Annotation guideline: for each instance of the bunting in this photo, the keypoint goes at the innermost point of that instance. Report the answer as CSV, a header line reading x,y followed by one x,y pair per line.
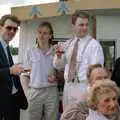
x,y
62,8
35,12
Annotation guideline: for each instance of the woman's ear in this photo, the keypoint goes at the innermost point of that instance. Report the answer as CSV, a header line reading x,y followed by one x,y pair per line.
x,y
50,36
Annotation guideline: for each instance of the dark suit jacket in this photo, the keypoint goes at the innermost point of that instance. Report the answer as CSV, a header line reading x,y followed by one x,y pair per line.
x,y
6,85
116,72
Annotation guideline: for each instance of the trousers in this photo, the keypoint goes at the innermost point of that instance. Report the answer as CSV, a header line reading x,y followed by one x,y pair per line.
x,y
43,103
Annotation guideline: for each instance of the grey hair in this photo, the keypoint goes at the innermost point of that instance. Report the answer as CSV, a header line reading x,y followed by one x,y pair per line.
x,y
101,87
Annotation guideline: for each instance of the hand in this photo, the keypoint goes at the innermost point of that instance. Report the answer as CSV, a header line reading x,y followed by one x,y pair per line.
x,y
27,70
16,70
58,51
52,78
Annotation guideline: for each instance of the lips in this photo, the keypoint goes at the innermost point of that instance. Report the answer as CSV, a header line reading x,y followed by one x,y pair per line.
x,y
111,110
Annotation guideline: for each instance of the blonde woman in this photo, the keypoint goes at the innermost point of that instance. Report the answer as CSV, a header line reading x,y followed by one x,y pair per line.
x,y
102,101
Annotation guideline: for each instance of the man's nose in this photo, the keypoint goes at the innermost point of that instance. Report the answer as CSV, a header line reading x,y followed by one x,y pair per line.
x,y
85,26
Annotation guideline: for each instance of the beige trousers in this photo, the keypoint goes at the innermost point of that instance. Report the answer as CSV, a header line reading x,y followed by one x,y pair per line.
x,y
43,103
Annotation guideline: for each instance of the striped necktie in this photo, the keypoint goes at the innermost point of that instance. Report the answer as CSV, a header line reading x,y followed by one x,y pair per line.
x,y
72,68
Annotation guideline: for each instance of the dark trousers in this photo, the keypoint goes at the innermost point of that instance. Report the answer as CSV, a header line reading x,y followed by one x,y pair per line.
x,y
11,110
11,115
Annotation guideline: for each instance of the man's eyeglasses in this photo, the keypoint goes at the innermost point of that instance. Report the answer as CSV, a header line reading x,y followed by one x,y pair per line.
x,y
9,28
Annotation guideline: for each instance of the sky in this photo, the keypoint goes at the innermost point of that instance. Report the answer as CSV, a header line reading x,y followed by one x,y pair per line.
x,y
5,6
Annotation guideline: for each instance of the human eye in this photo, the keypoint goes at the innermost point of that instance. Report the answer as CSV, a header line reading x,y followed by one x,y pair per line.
x,y
106,100
81,25
105,77
115,98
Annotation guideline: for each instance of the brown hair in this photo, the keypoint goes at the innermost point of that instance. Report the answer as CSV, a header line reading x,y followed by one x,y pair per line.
x,y
78,14
91,68
48,25
10,17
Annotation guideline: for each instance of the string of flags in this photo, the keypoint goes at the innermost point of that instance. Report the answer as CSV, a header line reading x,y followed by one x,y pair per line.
x,y
62,9
35,12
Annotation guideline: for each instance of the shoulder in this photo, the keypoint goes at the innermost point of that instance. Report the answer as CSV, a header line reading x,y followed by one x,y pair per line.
x,y
78,111
92,115
94,42
32,49
68,41
117,60
94,45
117,64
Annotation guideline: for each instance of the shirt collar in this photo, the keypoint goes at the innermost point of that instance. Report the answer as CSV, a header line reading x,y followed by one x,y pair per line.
x,y
85,37
50,50
4,44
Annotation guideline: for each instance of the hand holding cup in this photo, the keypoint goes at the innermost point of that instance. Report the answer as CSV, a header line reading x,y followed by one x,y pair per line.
x,y
59,49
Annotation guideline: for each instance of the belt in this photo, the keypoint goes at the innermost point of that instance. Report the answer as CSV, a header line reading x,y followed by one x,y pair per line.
x,y
76,81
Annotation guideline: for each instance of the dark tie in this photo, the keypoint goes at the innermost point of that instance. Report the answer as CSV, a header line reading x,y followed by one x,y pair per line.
x,y
9,56
72,68
10,61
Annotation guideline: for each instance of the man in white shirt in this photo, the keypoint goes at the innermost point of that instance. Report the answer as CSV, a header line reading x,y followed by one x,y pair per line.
x,y
89,51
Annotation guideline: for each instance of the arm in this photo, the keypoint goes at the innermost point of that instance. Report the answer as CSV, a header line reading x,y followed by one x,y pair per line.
x,y
96,55
77,111
116,72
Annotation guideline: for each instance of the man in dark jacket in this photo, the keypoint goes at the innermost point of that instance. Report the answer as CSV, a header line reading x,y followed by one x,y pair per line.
x,y
12,97
116,72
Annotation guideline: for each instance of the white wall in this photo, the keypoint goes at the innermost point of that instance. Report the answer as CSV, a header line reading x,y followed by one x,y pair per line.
x,y
108,27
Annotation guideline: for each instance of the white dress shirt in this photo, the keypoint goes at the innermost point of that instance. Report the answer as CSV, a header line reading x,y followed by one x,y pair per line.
x,y
93,54
41,66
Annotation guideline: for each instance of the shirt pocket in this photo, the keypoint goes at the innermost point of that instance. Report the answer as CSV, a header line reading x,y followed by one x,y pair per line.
x,y
82,61
35,58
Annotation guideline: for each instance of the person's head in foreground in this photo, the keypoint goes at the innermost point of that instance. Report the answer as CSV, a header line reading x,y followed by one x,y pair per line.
x,y
45,33
80,22
8,27
102,99
96,72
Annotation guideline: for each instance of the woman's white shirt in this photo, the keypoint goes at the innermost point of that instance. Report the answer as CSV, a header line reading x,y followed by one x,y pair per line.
x,y
41,66
95,115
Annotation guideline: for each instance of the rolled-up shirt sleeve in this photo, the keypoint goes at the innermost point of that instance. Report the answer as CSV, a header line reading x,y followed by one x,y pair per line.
x,y
97,55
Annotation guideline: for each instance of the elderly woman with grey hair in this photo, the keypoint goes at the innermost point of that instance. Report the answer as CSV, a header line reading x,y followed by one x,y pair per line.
x,y
102,101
